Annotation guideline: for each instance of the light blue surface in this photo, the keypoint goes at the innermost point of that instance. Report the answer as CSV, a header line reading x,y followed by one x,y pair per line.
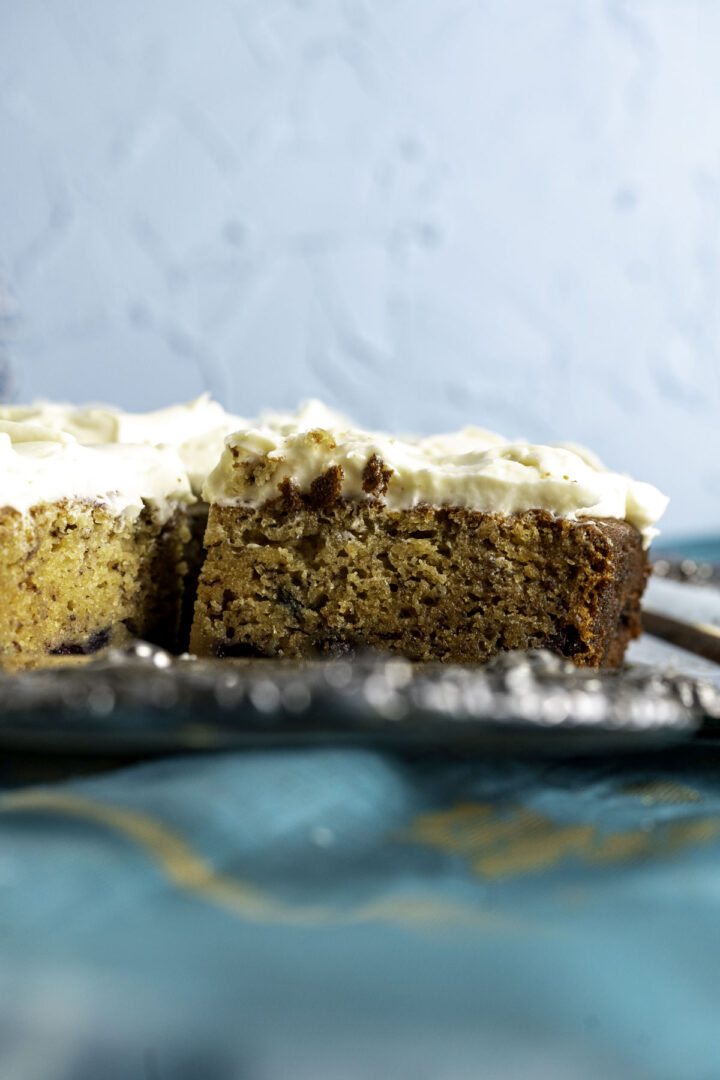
x,y
560,921
429,213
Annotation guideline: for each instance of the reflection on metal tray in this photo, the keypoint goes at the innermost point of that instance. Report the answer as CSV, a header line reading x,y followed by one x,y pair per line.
x,y
143,700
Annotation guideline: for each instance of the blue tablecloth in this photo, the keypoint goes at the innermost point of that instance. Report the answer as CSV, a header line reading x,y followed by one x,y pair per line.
x,y
347,913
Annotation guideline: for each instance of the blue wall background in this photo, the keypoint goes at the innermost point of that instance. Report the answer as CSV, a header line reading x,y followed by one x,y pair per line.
x,y
428,212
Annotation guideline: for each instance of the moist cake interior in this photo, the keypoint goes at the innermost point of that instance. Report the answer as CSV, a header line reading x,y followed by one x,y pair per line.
x,y
295,579
82,577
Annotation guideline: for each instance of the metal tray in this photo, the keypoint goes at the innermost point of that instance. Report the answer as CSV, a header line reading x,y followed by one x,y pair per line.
x,y
143,700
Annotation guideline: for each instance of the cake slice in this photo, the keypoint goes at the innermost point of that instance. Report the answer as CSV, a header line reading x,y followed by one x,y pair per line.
x,y
451,548
91,544
195,429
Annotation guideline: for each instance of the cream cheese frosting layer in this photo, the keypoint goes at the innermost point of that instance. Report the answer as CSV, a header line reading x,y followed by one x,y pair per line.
x,y
88,424
196,429
39,465
472,468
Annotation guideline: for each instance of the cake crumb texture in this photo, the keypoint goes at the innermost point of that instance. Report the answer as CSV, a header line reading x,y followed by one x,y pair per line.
x,y
301,576
77,577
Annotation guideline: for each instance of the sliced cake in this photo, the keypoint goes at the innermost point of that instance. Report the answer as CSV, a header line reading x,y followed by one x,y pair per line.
x,y
92,544
449,548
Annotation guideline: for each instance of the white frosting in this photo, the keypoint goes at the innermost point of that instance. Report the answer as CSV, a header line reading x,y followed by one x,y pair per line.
x,y
197,429
310,414
470,468
88,424
39,465
456,443
473,468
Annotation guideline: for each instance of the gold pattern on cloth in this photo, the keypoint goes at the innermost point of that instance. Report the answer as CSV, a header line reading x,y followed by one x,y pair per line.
x,y
507,843
663,793
192,873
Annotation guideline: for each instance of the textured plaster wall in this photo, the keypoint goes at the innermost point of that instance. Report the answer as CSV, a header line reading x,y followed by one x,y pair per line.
x,y
428,212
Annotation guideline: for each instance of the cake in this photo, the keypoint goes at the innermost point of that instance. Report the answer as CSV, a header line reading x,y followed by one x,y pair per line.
x,y
315,538
195,429
326,540
92,542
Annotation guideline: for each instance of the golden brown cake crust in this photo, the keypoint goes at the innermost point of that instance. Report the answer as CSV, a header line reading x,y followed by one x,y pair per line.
x,y
76,577
312,573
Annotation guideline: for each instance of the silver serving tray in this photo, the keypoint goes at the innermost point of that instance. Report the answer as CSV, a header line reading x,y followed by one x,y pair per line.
x,y
143,700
